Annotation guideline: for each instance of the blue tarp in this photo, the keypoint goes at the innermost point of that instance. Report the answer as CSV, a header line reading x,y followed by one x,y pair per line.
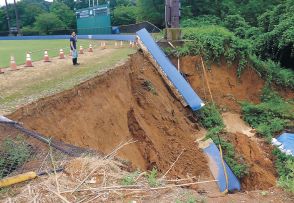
x,y
287,140
184,88
96,37
214,156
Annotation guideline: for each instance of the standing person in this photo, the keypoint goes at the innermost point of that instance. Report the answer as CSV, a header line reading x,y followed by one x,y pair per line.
x,y
73,48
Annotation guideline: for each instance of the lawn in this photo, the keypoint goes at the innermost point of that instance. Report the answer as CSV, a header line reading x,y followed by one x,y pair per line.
x,y
27,85
18,49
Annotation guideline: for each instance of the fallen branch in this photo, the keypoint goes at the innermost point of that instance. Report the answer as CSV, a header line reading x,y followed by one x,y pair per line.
x,y
58,195
138,187
54,168
106,157
172,164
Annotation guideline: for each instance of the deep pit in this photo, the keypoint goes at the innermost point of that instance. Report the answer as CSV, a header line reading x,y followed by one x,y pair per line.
x,y
133,102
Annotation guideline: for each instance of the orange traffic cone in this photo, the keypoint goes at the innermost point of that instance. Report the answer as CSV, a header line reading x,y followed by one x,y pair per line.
x,y
46,57
28,60
81,50
61,54
90,48
13,65
1,71
103,44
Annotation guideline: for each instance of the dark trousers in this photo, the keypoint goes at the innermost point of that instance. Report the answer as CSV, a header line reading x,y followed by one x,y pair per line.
x,y
75,61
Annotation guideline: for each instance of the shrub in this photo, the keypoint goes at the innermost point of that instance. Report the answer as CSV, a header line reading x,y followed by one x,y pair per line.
x,y
130,179
152,178
29,31
214,42
285,167
273,72
200,21
271,116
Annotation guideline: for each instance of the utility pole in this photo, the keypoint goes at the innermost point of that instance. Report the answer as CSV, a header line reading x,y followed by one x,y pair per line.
x,y
172,13
17,18
172,20
7,17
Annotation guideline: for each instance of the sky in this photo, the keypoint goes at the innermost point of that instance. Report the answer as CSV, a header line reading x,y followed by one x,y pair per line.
x,y
2,2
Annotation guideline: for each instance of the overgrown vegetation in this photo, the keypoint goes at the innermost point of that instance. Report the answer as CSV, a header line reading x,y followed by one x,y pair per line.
x,y
13,154
273,72
270,116
214,43
285,168
211,119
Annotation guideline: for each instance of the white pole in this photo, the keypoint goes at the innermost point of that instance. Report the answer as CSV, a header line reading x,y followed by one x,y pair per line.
x,y
93,3
89,3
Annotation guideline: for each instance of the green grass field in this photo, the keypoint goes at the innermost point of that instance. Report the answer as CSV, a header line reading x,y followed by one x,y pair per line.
x,y
18,49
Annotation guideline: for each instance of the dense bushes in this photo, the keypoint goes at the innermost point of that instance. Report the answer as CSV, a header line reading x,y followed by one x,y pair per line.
x,y
211,119
271,116
273,72
285,168
214,42
124,15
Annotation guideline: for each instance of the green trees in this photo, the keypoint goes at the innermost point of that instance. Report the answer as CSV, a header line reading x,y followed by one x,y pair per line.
x,y
64,13
151,10
124,15
277,40
47,22
60,16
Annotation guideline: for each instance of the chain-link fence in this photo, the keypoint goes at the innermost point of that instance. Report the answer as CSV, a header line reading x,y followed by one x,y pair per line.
x,y
22,151
131,28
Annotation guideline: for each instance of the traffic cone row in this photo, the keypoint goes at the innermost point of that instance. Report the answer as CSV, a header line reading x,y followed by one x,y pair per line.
x,y
46,58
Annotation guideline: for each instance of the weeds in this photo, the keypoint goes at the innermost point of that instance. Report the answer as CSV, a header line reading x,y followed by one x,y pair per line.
x,y
147,84
152,178
189,197
130,179
215,42
271,116
273,72
211,119
285,167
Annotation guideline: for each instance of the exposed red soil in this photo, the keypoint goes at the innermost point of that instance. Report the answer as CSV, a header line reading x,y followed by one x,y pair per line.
x,y
257,155
117,106
114,107
227,89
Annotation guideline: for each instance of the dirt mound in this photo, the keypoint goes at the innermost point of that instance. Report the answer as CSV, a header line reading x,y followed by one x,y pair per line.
x,y
262,174
129,102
